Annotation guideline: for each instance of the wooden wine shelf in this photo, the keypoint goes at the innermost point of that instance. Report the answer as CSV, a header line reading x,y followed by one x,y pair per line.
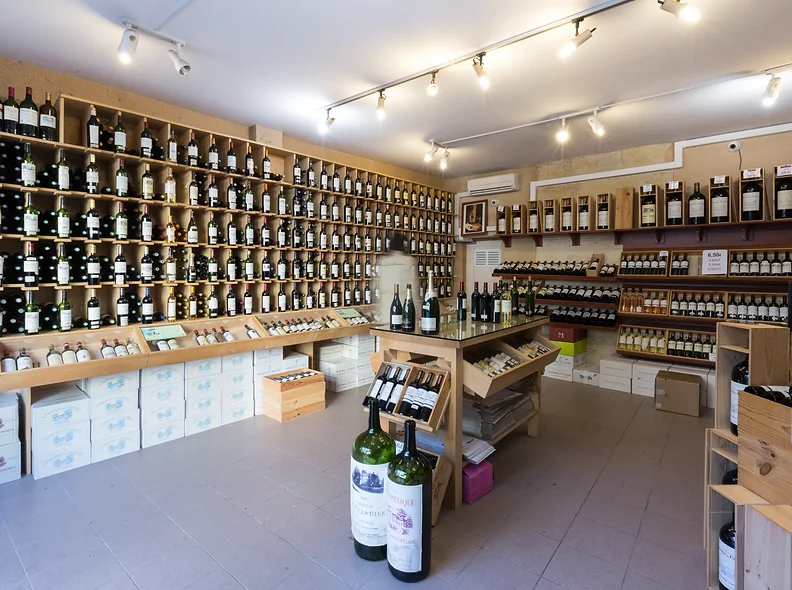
x,y
665,357
576,303
544,277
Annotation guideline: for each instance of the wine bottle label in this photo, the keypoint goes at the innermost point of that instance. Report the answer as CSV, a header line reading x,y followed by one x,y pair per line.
x,y
396,319
734,391
720,206
549,222
429,324
119,137
726,565
92,223
65,319
9,365
92,177
145,146
30,266
696,208
63,273
94,268
750,201
192,235
368,503
281,301
31,322
566,219
648,216
63,178
122,309
120,267
404,526
28,117
47,121
171,309
194,308
121,228
533,222
784,200
764,267
232,161
675,210
30,223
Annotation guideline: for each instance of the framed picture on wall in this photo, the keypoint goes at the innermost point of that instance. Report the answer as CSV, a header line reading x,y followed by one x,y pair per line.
x,y
474,216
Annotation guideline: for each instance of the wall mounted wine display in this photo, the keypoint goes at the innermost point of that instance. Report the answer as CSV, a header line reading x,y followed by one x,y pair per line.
x,y
782,192
752,195
650,206
675,203
550,221
695,347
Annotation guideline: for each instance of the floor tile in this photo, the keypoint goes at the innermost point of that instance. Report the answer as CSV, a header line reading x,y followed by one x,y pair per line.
x,y
281,468
12,570
6,543
339,506
281,511
679,536
49,496
321,488
342,561
660,564
316,533
633,581
631,492
574,569
217,580
600,540
176,570
89,570
524,547
385,581
545,584
450,554
614,514
265,565
487,570
311,576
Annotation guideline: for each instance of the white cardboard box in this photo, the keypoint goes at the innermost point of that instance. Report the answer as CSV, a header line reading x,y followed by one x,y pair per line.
x,y
585,375
70,406
108,404
294,361
237,362
155,434
329,352
648,370
336,369
9,418
365,340
155,395
115,446
151,416
68,436
59,461
268,355
234,379
553,371
616,368
202,422
341,384
163,374
570,362
203,368
207,403
267,368
618,383
237,395
643,387
202,386
364,378
236,412
356,352
10,462
115,424
129,381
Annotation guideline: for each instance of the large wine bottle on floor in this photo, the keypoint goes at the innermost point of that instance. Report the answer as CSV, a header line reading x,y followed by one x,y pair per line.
x,y
371,453
409,501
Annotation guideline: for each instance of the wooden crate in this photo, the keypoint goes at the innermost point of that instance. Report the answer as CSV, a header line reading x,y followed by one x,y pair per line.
x,y
568,216
780,173
675,187
535,212
747,176
550,220
655,192
722,182
590,214
623,206
519,222
503,224
292,399
594,272
767,559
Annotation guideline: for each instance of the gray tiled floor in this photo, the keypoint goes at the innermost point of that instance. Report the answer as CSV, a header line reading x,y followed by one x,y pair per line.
x,y
609,497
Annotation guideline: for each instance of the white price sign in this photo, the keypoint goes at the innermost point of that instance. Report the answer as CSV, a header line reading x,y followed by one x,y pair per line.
x,y
715,262
752,173
785,170
719,180
647,188
673,185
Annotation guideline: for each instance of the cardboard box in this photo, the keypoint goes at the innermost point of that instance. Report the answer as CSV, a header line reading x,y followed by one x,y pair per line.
x,y
570,362
364,378
207,403
115,446
566,333
553,371
203,368
355,352
202,386
364,340
155,395
115,424
233,396
571,348
698,371
268,355
161,375
70,406
59,461
294,361
9,418
10,462
648,370
616,383
151,416
238,378
237,362
338,368
109,404
477,481
329,352
129,381
616,368
263,369
644,388
154,434
585,375
237,412
202,423
679,393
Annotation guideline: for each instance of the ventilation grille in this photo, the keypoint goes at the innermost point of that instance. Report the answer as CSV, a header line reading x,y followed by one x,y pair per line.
x,y
486,257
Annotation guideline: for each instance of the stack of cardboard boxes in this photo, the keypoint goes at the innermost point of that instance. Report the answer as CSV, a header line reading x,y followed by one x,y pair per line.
x,y
346,363
61,423
573,344
202,395
115,417
265,362
10,447
237,397
161,404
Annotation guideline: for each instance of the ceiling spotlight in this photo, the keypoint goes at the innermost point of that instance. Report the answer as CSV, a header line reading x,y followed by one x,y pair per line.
x,y
428,156
182,67
324,124
577,40
563,135
444,161
381,106
772,91
478,66
432,89
128,45
680,10
596,125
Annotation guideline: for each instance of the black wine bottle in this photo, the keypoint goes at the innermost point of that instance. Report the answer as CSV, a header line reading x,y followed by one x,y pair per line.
x,y
739,381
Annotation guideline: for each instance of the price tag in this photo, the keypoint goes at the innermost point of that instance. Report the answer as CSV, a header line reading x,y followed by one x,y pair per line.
x,y
647,188
673,185
752,173
785,170
715,262
163,332
663,254
713,356
348,313
719,180
516,207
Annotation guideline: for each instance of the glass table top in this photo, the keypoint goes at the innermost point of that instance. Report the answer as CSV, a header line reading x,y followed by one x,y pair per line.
x,y
453,329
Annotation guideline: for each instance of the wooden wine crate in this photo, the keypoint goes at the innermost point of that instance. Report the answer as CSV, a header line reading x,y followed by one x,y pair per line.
x,y
549,216
587,201
518,212
506,212
780,172
594,272
651,190
767,559
479,383
292,399
723,182
622,204
567,208
753,175
534,212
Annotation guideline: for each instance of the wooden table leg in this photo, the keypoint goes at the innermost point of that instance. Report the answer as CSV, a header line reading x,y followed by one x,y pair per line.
x,y
453,430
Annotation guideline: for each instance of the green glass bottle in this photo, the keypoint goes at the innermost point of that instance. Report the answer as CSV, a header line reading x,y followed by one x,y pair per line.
x,y
63,172
409,503
32,315
28,167
30,219
408,320
10,113
122,180
28,115
64,314
64,223
371,453
120,136
63,270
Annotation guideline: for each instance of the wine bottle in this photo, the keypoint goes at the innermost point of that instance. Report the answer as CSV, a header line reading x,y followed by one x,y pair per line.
x,y
62,272
120,137
28,115
739,381
30,266
64,314
147,308
122,310
171,306
461,303
93,129
697,206
396,310
32,315
430,310
10,113
474,303
727,543
30,219
48,120
409,506
408,311
371,453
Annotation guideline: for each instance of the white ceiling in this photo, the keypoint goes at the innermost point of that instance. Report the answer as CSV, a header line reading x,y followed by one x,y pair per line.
x,y
276,63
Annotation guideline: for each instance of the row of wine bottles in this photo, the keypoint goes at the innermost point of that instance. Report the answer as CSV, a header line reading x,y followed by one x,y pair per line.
x,y
576,293
402,315
560,267
501,306
605,318
419,398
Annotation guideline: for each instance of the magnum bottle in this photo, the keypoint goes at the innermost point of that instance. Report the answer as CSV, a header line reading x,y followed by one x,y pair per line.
x,y
396,311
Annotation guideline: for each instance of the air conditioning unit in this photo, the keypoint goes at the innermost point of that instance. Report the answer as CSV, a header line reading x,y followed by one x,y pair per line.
x,y
492,185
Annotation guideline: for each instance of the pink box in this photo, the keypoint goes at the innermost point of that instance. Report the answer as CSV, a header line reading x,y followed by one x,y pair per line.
x,y
477,481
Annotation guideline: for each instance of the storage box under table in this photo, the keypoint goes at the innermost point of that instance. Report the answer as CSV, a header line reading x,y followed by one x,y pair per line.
x,y
286,400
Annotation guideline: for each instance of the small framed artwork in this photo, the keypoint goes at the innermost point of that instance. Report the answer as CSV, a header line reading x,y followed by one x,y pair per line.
x,y
474,214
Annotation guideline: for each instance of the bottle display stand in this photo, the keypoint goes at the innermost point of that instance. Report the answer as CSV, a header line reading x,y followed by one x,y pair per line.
x,y
451,349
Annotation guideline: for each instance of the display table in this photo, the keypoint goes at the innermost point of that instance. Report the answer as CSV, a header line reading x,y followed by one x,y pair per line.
x,y
457,345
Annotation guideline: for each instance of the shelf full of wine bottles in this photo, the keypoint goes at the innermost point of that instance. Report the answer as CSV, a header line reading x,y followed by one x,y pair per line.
x,y
408,391
688,346
110,217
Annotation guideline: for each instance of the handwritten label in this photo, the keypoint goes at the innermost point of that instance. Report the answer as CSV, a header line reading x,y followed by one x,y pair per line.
x,y
715,262
719,180
752,173
673,185
647,188
785,170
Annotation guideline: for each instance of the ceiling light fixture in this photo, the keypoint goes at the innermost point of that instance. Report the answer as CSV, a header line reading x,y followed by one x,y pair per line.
x,y
596,125
429,156
478,67
563,135
680,10
128,45
772,92
324,124
182,67
444,161
381,106
432,89
577,40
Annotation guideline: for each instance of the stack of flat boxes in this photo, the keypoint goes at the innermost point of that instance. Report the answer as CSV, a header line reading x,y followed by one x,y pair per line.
x,y
203,395
115,414
161,404
10,447
237,387
61,425
616,374
265,362
572,342
643,376
345,362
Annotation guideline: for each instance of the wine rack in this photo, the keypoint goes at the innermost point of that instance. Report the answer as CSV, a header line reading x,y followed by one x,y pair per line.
x,y
656,343
270,198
